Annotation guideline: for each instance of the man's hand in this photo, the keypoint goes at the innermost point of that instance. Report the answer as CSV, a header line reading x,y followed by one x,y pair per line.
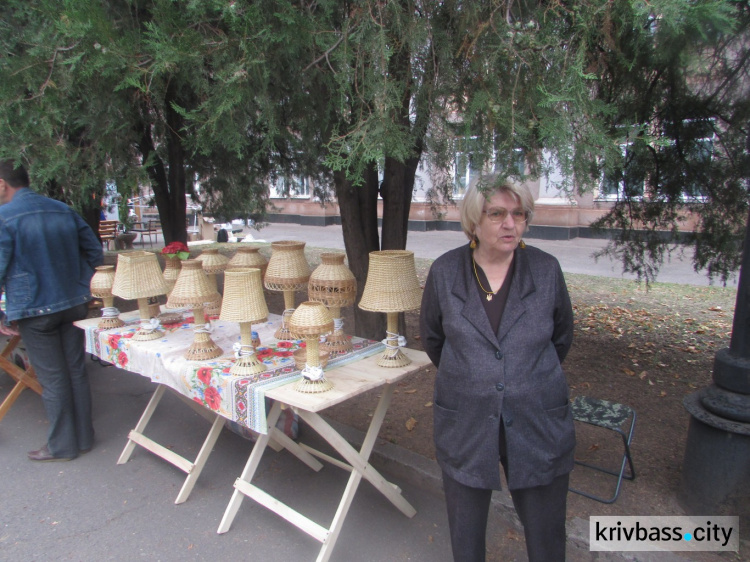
x,y
9,329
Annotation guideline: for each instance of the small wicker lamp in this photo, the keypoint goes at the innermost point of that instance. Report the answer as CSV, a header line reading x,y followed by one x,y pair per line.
x,y
392,287
213,264
288,272
244,303
101,288
193,289
335,286
138,276
249,256
308,322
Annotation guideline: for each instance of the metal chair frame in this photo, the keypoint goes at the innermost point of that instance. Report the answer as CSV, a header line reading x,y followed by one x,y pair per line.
x,y
611,416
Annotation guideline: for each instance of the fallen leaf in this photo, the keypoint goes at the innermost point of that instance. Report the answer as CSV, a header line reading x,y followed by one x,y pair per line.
x,y
663,393
628,372
643,375
593,447
428,404
410,424
650,382
412,391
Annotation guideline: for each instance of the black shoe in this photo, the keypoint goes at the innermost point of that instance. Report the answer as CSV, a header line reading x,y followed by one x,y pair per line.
x,y
43,455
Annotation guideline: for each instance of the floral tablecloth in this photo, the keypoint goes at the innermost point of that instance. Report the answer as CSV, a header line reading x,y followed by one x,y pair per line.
x,y
209,383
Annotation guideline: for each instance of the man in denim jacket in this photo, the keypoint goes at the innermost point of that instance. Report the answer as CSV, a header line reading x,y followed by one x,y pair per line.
x,y
47,258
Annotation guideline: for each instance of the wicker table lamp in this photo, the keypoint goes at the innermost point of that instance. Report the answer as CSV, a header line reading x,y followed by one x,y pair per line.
x,y
288,272
244,303
193,289
392,287
249,256
138,276
213,264
101,288
308,322
335,286
172,266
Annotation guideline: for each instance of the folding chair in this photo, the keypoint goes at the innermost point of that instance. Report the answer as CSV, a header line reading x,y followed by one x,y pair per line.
x,y
611,416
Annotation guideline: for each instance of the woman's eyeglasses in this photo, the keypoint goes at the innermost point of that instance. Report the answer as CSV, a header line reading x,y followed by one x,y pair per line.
x,y
498,214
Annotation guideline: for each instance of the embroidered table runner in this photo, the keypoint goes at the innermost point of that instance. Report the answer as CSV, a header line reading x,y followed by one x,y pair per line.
x,y
209,383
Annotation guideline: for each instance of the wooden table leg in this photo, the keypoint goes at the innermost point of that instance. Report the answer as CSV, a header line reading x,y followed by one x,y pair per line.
x,y
142,423
248,472
24,379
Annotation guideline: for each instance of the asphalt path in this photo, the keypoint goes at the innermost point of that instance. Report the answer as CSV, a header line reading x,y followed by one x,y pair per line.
x,y
575,256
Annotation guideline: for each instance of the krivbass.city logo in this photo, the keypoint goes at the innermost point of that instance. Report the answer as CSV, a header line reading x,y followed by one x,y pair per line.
x,y
657,533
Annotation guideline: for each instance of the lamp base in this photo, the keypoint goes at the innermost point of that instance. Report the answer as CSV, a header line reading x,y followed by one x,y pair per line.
x,y
111,322
147,335
248,365
170,317
203,350
311,387
283,333
213,309
391,358
337,343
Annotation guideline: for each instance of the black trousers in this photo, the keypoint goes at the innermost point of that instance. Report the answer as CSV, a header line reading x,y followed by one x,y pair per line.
x,y
56,351
541,509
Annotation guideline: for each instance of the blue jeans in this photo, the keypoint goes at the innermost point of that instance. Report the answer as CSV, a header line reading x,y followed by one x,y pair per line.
x,y
56,351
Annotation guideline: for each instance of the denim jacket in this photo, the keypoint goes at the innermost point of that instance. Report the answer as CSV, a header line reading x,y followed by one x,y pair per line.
x,y
47,256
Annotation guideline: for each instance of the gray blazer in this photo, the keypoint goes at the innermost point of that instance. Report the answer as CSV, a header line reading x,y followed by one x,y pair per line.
x,y
515,373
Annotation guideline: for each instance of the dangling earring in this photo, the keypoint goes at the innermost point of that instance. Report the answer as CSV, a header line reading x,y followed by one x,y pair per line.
x,y
473,243
522,244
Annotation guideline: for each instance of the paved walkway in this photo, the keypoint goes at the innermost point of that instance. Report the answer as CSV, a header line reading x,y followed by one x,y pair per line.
x,y
575,256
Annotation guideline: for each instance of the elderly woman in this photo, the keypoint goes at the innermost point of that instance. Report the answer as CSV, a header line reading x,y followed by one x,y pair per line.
x,y
497,322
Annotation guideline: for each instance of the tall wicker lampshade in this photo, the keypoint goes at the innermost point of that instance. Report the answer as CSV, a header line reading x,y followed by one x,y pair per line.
x,y
213,264
308,322
138,276
249,256
193,289
288,272
335,286
172,266
244,303
392,287
101,288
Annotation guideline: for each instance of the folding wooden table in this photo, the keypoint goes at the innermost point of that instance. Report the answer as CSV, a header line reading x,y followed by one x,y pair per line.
x,y
349,380
25,378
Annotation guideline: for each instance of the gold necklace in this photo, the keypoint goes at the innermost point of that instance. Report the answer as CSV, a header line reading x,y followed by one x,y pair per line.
x,y
488,294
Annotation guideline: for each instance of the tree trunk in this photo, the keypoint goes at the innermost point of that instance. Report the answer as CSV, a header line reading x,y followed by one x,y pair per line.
x,y
359,224
168,182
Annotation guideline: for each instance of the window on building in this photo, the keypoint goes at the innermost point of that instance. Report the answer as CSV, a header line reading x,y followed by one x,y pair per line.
x,y
467,167
293,186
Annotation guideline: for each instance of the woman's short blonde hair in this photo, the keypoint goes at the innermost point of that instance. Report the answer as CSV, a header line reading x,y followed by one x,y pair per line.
x,y
480,191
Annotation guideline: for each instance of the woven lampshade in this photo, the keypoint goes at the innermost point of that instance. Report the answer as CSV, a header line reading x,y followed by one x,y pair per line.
x,y
138,276
101,287
288,272
309,321
172,266
193,289
243,296
213,264
213,261
249,256
287,269
392,284
392,287
102,281
244,303
333,284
